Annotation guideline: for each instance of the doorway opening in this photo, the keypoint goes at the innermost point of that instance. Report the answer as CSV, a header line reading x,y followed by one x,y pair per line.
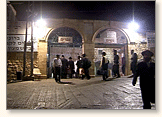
x,y
63,41
107,41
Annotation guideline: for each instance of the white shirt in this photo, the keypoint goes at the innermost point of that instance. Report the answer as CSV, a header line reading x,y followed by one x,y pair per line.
x,y
57,62
106,61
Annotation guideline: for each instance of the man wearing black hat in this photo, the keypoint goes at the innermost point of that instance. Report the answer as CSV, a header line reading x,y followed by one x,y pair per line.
x,y
71,67
86,66
116,65
57,67
146,71
64,66
104,66
133,63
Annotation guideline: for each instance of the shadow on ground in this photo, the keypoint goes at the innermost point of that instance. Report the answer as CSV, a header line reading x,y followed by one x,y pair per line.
x,y
68,83
95,82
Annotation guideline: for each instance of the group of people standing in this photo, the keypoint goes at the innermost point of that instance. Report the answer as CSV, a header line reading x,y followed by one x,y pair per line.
x,y
63,68
115,68
145,69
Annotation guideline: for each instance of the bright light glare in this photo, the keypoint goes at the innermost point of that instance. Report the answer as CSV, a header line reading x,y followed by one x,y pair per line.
x,y
41,23
133,26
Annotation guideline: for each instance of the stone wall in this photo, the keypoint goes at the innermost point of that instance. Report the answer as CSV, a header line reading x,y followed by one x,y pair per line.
x,y
42,58
138,48
15,63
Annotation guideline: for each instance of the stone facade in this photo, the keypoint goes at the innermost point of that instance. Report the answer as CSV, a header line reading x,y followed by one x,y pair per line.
x,y
15,64
88,29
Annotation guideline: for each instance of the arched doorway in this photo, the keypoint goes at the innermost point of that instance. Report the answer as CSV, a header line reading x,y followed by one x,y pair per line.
x,y
107,39
63,41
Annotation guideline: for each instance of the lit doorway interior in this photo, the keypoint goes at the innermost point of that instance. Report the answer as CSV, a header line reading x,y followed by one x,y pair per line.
x,y
63,41
106,41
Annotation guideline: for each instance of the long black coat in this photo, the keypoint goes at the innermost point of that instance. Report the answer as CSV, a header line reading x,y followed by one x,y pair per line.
x,y
116,59
85,62
79,65
71,66
147,80
64,65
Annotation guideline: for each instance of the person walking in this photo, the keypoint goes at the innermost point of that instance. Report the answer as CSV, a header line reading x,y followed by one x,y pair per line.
x,y
71,67
123,65
86,66
146,71
104,66
116,65
64,67
57,68
133,63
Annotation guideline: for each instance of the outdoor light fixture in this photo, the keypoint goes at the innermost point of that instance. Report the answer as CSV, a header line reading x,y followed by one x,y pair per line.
x,y
133,26
41,23
40,28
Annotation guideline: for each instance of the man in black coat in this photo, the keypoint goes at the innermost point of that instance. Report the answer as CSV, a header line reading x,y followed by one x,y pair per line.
x,y
86,66
104,66
71,67
146,71
64,66
133,63
116,65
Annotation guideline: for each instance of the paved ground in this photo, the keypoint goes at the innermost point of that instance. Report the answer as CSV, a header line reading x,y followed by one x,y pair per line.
x,y
116,93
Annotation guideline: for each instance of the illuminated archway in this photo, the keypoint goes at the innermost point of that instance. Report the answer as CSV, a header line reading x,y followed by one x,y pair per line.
x,y
108,45
63,41
110,27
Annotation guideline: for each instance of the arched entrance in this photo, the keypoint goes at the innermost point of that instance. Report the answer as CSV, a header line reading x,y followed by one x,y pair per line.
x,y
107,39
63,41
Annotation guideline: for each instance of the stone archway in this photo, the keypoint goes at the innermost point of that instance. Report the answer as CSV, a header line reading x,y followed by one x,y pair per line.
x,y
63,41
42,50
111,27
125,46
88,29
52,29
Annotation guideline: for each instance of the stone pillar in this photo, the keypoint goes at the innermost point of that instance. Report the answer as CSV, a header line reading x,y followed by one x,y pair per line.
x,y
88,46
88,49
127,62
42,58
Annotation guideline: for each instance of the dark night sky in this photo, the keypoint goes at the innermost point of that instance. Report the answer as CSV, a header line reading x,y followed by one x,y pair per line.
x,y
144,11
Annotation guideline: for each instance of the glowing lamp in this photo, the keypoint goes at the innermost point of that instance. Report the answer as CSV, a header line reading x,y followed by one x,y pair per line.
x,y
41,23
133,26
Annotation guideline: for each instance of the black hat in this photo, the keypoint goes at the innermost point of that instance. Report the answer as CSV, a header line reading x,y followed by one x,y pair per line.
x,y
70,58
147,52
83,55
57,55
104,53
115,50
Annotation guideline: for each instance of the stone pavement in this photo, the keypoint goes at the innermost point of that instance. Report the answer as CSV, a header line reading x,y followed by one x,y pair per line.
x,y
115,93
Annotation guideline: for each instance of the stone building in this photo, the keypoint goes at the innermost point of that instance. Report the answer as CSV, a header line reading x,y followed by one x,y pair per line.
x,y
72,37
